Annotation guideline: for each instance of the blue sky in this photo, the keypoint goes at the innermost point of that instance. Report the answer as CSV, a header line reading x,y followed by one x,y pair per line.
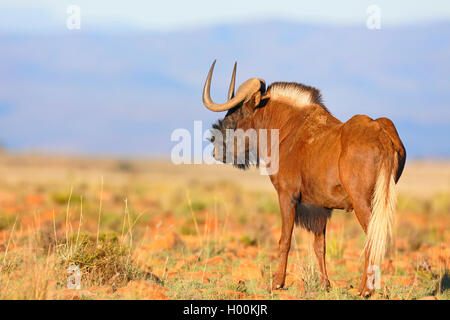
x,y
50,15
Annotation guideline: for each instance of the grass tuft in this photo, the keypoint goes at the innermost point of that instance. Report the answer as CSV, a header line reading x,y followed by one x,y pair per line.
x,y
107,262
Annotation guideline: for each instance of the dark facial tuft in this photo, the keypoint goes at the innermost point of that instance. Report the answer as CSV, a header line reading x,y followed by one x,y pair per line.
x,y
250,158
218,125
230,122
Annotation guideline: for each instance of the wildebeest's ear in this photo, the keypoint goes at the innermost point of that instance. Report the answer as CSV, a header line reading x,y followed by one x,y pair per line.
x,y
254,100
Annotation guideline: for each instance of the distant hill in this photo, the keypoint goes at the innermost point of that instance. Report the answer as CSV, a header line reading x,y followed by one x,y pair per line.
x,y
122,94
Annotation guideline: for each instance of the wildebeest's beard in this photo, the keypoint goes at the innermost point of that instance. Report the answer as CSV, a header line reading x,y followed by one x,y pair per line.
x,y
244,156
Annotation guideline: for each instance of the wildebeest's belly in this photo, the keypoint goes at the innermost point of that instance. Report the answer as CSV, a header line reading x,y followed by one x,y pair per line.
x,y
321,184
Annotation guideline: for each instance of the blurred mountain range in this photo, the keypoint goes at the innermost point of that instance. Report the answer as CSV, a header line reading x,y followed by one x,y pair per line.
x,y
94,92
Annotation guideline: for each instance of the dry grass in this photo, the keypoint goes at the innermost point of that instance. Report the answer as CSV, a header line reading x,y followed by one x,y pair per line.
x,y
152,230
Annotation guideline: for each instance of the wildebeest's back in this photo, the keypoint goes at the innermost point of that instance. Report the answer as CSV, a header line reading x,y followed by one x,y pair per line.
x,y
371,137
362,132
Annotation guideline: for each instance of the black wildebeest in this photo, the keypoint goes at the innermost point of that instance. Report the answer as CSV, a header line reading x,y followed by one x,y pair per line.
x,y
324,164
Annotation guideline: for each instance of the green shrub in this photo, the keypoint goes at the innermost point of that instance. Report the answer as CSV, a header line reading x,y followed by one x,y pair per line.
x,y
107,262
249,241
6,221
63,197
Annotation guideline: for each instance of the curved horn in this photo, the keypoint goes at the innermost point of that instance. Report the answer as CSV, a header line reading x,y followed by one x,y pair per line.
x,y
232,83
245,90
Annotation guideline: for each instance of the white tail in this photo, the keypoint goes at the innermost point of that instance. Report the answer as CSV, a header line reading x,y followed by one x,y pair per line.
x,y
380,225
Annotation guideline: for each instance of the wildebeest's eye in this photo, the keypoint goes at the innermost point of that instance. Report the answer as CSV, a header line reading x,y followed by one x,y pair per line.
x,y
212,139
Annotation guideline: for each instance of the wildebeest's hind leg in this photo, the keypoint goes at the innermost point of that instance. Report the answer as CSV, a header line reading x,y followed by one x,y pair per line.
x,y
359,188
371,160
287,208
314,218
363,213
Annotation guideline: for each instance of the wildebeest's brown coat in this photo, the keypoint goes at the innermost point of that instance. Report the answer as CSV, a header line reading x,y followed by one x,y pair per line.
x,y
324,164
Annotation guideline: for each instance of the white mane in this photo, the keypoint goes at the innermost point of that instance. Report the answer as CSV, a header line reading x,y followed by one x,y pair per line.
x,y
298,94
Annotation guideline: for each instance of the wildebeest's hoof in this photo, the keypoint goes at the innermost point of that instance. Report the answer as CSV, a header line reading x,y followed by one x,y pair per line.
x,y
278,283
325,284
366,293
276,286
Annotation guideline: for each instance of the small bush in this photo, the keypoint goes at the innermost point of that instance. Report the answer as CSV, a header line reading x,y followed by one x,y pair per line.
x,y
63,197
188,227
198,205
105,263
6,221
249,241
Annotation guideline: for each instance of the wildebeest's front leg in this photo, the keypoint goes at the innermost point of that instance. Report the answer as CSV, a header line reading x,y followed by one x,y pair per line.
x,y
287,208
